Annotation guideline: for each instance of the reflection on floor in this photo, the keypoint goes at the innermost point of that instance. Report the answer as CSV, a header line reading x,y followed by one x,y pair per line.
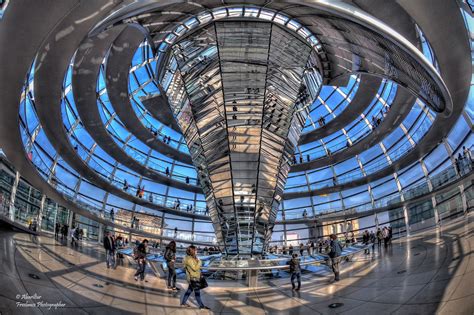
x,y
430,272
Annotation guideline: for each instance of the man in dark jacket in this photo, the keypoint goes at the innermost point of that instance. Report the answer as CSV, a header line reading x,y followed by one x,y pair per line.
x,y
109,245
57,229
372,238
170,257
365,241
390,235
336,251
295,271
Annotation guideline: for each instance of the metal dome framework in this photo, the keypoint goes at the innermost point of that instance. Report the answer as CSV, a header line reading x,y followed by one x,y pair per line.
x,y
96,169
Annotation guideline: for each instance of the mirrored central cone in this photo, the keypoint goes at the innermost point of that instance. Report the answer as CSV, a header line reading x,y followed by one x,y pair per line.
x,y
239,91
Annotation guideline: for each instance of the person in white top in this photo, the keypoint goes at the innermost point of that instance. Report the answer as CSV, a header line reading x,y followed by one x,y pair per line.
x,y
385,236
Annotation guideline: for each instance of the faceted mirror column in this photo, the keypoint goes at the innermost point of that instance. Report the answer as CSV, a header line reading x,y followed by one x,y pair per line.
x,y
240,92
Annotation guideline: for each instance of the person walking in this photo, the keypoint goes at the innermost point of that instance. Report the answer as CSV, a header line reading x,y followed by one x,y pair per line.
x,y
301,249
66,231
109,246
335,252
372,241
74,236
379,238
365,241
170,257
119,244
57,229
295,271
140,257
467,154
192,265
385,235
390,236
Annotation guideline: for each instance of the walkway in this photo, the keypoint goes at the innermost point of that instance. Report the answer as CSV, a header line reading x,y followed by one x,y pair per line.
x,y
430,272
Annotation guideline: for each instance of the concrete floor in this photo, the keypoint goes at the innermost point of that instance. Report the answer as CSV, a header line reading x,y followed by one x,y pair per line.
x,y
431,272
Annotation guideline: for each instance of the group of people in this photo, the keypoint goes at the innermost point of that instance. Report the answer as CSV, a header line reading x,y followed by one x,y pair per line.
x,y
177,204
210,250
308,158
385,235
166,139
192,266
140,189
311,247
463,161
323,245
76,234
321,121
111,243
32,224
61,230
135,223
377,119
334,252
381,235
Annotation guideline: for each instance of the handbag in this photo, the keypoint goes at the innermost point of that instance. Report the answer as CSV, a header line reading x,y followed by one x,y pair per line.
x,y
203,283
199,284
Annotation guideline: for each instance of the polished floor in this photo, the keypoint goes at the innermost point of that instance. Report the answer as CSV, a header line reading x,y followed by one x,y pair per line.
x,y
430,272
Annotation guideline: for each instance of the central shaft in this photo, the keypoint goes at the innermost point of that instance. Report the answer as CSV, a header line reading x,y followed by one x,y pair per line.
x,y
240,93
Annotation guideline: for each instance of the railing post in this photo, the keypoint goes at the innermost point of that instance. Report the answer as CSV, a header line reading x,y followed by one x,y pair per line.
x,y
252,278
376,219
40,213
100,233
407,221
56,212
11,211
436,212
463,198
69,221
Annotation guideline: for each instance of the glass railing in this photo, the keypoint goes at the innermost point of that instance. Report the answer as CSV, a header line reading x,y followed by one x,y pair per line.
x,y
19,215
136,155
156,133
180,204
363,130
357,173
437,181
328,116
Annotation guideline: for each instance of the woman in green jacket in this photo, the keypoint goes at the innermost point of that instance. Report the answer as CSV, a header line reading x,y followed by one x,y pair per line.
x,y
192,265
